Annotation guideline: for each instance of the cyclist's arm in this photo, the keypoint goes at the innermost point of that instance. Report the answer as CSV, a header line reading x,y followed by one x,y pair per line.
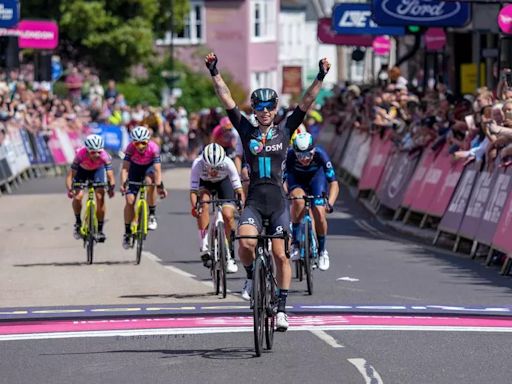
x,y
234,177
313,90
330,174
158,173
111,177
294,121
193,198
223,92
194,181
334,190
124,172
69,178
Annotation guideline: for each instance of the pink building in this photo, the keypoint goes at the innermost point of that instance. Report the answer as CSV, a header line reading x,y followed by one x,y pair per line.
x,y
243,34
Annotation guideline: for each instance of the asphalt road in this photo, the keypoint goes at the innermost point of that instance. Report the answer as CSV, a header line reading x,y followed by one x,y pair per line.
x,y
371,268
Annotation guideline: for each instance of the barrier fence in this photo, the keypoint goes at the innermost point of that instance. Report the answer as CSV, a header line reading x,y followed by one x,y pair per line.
x,y
471,203
25,153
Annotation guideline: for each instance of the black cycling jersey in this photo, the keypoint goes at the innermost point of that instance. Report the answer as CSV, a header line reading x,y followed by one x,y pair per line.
x,y
265,155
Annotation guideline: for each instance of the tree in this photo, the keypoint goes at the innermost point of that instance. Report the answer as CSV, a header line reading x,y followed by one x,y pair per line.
x,y
112,35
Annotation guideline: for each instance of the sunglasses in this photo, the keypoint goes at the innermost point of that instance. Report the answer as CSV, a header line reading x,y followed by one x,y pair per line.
x,y
141,144
269,105
94,153
304,155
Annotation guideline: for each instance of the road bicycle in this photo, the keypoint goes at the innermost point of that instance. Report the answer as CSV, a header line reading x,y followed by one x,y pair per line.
x,y
89,227
218,243
308,243
139,227
264,297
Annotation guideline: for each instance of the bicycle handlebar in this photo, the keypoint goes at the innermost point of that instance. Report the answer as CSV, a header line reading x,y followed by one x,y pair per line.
x,y
219,202
90,184
307,197
140,184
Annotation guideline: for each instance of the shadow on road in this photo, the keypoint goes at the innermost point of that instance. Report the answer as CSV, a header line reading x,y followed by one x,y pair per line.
x,y
74,264
168,296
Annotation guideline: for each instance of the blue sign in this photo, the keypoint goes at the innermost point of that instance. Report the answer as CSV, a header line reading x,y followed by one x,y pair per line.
x,y
356,19
56,70
431,13
9,13
27,145
112,134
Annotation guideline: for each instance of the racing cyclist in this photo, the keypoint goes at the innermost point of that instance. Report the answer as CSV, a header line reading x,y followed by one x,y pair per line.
x,y
141,163
93,163
308,171
213,171
265,147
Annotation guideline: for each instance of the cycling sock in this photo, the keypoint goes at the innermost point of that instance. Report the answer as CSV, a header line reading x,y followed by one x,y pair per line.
x,y
295,232
127,229
100,225
282,295
78,219
321,243
203,238
152,209
248,271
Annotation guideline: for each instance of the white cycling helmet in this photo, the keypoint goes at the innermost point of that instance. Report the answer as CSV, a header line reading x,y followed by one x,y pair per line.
x,y
213,155
94,143
140,134
303,142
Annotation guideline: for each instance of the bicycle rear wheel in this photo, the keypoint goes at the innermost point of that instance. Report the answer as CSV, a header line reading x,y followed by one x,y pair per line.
x,y
214,269
258,297
270,300
221,248
307,258
139,236
91,233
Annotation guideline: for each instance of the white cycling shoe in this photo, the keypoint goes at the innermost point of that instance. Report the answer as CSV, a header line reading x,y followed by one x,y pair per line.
x,y
152,224
294,253
231,266
247,290
323,260
281,322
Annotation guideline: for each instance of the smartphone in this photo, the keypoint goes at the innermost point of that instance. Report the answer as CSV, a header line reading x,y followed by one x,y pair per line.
x,y
470,121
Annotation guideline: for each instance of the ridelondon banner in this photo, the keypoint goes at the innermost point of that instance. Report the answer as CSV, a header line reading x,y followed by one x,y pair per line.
x,y
374,168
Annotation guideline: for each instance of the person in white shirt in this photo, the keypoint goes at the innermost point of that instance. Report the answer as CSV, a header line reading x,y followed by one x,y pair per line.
x,y
213,171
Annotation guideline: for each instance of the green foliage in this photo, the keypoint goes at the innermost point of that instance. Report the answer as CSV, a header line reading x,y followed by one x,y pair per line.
x,y
60,89
139,93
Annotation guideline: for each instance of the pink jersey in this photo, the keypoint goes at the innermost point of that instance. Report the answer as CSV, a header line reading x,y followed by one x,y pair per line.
x,y
227,138
83,160
150,156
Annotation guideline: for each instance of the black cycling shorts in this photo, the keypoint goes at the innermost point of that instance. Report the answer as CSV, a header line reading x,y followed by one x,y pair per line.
x,y
223,189
266,201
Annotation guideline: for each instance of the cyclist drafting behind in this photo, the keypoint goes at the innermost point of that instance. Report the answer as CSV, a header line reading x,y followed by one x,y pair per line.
x,y
214,171
141,163
92,163
265,148
308,170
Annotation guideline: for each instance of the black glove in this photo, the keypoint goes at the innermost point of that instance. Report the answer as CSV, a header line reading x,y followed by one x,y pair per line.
x,y
212,66
321,72
328,207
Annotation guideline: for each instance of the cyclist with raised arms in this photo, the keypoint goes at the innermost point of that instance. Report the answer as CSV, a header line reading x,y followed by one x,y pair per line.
x,y
308,171
141,163
93,163
265,148
213,171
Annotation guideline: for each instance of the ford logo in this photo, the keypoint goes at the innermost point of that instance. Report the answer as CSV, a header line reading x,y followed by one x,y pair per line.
x,y
420,10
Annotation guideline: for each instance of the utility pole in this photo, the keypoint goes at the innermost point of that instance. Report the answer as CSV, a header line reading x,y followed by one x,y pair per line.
x,y
171,48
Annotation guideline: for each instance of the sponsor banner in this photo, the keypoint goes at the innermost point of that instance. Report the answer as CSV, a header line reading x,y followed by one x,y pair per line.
x,y
112,134
339,146
356,154
421,12
9,13
381,45
5,170
355,19
435,39
476,205
377,160
28,145
413,188
56,149
21,159
396,178
455,213
327,36
38,34
43,152
492,213
502,239
505,19
452,171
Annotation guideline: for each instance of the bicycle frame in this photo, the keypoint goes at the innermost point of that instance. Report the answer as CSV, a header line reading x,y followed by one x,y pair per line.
x,y
141,207
90,206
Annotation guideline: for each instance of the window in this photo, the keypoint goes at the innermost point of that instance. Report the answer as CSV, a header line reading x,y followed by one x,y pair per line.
x,y
264,80
193,27
263,20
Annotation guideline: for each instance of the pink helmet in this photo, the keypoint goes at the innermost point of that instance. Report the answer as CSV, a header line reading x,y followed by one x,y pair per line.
x,y
225,122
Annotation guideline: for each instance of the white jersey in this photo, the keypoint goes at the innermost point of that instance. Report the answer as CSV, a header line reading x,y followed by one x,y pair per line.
x,y
201,171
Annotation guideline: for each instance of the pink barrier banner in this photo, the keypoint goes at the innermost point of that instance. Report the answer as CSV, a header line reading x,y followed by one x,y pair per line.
x,y
416,185
75,139
396,178
55,148
494,208
38,34
452,172
453,216
476,205
377,160
502,240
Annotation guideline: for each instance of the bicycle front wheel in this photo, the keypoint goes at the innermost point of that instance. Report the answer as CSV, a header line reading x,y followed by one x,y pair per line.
x,y
307,258
270,318
258,297
91,233
221,258
139,235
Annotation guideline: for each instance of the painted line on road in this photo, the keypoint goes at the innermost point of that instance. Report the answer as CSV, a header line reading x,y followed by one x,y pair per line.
x,y
179,271
370,374
327,338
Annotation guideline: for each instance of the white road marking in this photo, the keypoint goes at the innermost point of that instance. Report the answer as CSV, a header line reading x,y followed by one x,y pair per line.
x,y
151,256
347,278
179,271
371,376
211,330
327,338
116,310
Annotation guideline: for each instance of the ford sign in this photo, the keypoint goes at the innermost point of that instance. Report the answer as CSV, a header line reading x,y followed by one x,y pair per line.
x,y
421,12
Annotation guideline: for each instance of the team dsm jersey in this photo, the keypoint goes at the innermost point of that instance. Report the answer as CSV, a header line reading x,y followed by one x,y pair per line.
x,y
320,161
265,155
201,171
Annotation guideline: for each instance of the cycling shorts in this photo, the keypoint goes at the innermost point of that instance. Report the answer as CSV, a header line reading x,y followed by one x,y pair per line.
x,y
316,185
223,189
96,175
266,201
138,173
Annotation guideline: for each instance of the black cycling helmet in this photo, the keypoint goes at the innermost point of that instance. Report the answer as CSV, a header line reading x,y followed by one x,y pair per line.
x,y
263,95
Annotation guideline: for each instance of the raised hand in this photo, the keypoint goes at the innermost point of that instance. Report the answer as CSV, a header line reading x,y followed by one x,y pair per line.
x,y
211,63
323,68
